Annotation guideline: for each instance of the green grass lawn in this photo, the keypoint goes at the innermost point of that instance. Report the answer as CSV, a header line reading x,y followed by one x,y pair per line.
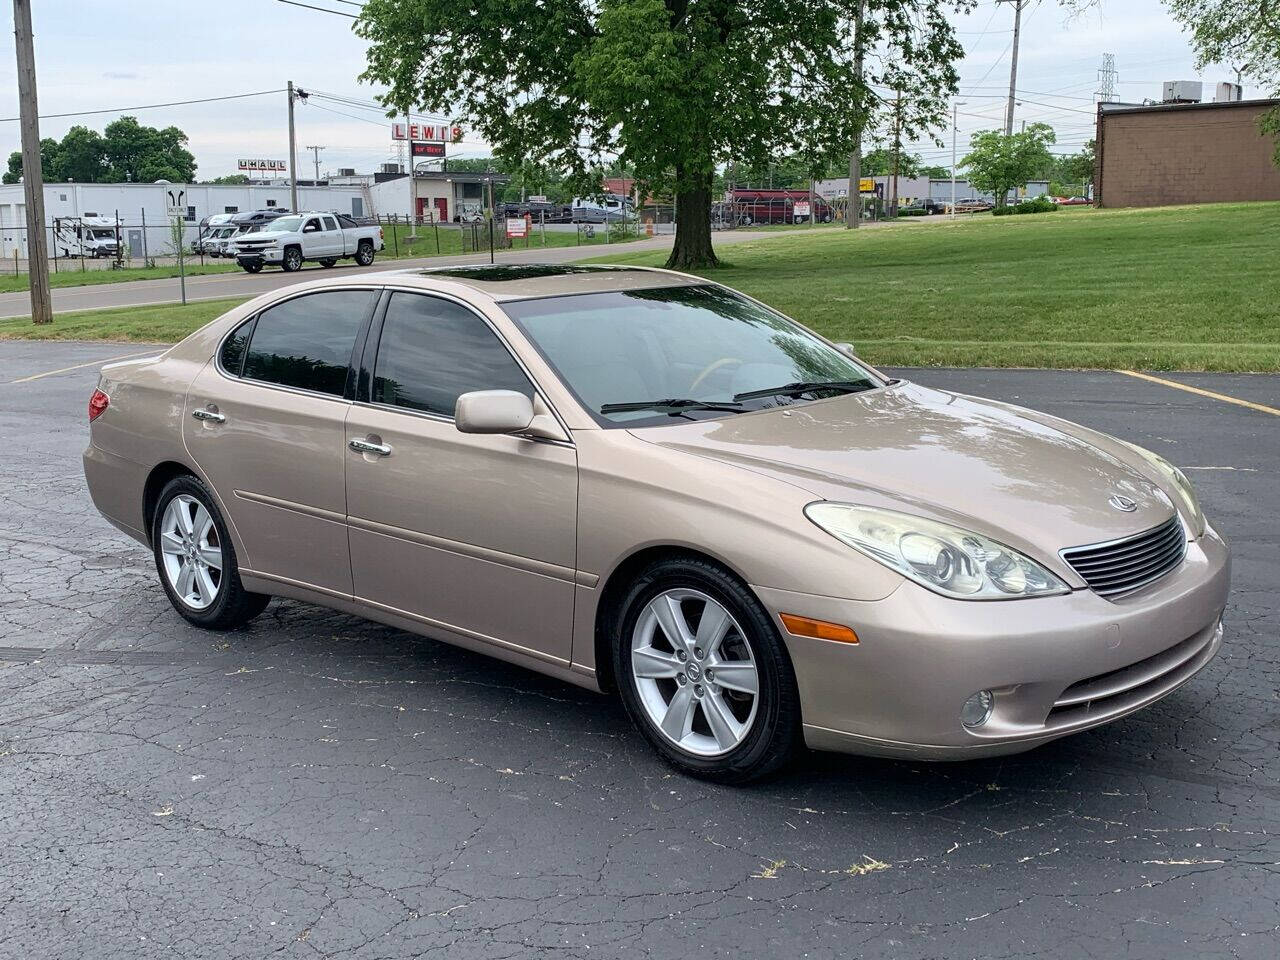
x,y
1173,288
70,274
452,239
166,323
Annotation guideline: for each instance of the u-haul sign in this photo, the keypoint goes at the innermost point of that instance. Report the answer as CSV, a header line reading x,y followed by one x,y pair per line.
x,y
440,133
260,164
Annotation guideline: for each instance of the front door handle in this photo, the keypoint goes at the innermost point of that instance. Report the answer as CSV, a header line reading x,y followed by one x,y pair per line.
x,y
370,446
200,413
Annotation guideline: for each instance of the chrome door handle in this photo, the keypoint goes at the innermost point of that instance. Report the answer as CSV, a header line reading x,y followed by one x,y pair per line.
x,y
212,415
368,446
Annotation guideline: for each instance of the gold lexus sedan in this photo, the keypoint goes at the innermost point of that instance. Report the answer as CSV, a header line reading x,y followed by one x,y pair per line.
x,y
641,481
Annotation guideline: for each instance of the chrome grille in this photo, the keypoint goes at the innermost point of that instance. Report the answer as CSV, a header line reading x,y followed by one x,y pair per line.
x,y
1122,566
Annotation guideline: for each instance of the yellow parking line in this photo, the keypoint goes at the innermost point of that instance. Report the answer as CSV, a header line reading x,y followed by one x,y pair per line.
x,y
81,366
1261,407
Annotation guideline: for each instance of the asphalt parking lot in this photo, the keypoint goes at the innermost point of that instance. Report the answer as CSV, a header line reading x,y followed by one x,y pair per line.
x,y
317,785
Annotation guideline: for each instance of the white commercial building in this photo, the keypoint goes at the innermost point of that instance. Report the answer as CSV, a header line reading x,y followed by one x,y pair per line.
x,y
137,204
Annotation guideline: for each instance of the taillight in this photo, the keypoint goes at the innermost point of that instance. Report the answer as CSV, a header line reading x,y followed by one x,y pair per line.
x,y
97,403
380,236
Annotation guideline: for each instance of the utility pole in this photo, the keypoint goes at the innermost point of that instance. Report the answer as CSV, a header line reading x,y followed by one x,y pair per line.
x,y
853,216
32,174
955,116
897,152
293,156
1013,69
315,152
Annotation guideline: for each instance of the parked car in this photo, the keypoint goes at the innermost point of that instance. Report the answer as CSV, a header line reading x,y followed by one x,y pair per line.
x,y
290,241
644,482
1072,201
752,207
972,205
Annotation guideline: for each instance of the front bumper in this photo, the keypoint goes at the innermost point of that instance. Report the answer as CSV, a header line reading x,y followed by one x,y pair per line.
x,y
1056,665
259,257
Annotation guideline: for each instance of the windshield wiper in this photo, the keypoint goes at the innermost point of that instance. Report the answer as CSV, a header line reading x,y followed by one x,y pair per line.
x,y
675,405
807,386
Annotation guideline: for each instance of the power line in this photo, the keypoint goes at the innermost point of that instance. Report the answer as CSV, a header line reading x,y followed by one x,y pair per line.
x,y
336,13
150,106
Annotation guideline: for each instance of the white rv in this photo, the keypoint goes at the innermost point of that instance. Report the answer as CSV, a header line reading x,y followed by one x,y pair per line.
x,y
86,236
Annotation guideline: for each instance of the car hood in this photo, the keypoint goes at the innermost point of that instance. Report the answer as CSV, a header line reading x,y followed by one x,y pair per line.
x,y
263,235
1027,479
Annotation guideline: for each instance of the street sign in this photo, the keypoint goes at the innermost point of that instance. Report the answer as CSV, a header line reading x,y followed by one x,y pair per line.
x,y
801,208
867,185
517,228
175,204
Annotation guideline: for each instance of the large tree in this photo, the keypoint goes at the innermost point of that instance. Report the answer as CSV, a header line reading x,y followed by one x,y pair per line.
x,y
670,88
997,162
125,150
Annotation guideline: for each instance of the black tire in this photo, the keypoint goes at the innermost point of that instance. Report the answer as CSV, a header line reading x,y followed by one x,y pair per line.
x,y
252,267
233,606
364,253
328,261
292,261
775,733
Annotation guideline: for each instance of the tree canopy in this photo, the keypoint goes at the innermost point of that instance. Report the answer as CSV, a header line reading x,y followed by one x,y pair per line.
x,y
670,88
999,162
124,151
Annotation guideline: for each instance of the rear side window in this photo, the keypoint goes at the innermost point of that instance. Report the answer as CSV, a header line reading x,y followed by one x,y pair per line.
x,y
233,348
432,351
306,342
330,223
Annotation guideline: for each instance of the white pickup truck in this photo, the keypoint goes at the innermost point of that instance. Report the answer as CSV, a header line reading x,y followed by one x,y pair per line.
x,y
290,240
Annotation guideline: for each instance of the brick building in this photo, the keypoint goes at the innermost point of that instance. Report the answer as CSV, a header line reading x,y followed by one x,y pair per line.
x,y
1170,153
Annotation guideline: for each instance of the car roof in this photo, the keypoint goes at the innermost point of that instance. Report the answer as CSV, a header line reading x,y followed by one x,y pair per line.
x,y
502,282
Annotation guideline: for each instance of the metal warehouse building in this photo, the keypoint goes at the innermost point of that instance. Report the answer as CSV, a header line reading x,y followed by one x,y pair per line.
x,y
1173,153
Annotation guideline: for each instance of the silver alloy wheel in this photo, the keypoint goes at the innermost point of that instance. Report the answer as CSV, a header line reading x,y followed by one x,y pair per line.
x,y
694,672
191,551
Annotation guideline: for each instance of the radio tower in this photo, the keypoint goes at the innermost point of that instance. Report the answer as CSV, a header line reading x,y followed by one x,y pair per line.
x,y
1107,75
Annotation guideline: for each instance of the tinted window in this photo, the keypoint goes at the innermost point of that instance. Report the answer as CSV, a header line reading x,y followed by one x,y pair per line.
x,y
306,342
330,224
312,225
233,348
432,351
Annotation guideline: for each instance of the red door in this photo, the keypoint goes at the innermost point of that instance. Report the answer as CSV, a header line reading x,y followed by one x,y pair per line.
x,y
422,209
442,210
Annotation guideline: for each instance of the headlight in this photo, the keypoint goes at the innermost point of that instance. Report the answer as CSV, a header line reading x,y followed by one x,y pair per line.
x,y
1182,486
946,559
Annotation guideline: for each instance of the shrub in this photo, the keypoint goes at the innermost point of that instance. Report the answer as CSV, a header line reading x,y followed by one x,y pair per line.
x,y
1038,205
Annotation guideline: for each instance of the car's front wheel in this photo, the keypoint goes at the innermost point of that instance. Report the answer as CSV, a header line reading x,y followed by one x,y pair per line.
x,y
704,674
292,260
252,267
197,561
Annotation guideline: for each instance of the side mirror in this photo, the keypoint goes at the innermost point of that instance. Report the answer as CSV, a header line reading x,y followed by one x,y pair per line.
x,y
493,411
846,349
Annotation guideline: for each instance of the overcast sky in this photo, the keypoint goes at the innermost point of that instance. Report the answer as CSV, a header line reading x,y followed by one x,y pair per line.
x,y
129,52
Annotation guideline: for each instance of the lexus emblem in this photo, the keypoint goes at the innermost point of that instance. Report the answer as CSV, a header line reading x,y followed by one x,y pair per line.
x,y
1122,503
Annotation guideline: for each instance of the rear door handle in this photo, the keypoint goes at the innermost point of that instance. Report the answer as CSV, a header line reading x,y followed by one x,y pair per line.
x,y
369,446
212,415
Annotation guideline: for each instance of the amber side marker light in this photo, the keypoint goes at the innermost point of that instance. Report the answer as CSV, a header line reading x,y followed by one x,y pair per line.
x,y
820,629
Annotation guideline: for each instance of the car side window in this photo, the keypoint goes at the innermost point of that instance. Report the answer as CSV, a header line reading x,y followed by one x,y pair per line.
x,y
312,226
432,351
306,342
330,223
233,348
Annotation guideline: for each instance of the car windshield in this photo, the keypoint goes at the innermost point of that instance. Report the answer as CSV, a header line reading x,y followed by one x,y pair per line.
x,y
696,351
287,224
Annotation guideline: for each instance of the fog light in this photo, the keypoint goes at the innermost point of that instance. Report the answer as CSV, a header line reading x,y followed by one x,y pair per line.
x,y
977,709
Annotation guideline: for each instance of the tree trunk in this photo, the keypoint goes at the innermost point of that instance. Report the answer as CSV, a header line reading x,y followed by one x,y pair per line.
x,y
692,249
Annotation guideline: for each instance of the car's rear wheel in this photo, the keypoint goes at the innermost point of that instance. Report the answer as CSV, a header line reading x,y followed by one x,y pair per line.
x,y
704,674
292,260
197,561
328,261
364,253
